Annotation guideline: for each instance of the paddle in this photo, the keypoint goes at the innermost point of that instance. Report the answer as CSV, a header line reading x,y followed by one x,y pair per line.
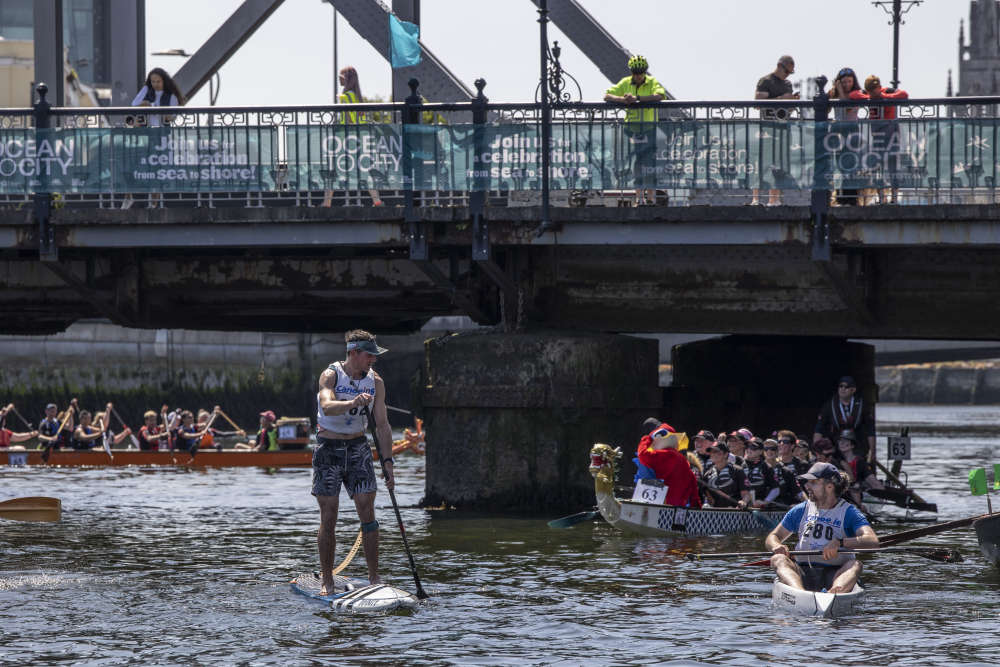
x,y
395,506
231,422
37,508
573,519
19,416
718,494
902,498
942,555
906,535
131,434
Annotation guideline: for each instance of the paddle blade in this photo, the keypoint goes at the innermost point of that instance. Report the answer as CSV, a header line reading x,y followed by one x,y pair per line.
x,y
996,476
573,519
757,563
31,509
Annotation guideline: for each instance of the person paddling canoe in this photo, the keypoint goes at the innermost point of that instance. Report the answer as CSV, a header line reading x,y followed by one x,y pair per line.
x,y
824,521
9,437
350,392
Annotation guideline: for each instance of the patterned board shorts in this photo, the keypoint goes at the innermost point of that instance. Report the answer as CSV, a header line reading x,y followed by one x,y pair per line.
x,y
347,462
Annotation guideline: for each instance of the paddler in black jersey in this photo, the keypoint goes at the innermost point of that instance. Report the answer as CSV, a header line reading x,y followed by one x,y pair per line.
x,y
350,394
844,411
726,478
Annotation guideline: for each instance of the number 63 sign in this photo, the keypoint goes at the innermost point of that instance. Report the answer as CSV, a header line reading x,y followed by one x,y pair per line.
x,y
899,447
650,491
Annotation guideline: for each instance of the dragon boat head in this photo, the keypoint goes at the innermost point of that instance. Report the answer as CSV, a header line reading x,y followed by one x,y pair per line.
x,y
602,465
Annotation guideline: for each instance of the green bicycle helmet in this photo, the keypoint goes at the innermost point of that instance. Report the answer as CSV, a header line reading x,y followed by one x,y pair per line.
x,y
637,64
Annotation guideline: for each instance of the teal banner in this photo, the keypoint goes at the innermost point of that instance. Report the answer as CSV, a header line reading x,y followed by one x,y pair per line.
x,y
677,154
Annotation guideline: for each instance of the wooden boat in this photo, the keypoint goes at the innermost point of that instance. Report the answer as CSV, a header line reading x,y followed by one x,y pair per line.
x,y
988,533
809,603
649,519
134,457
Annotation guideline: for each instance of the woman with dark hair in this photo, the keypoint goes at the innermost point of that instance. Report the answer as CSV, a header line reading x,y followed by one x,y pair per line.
x,y
158,91
351,86
844,84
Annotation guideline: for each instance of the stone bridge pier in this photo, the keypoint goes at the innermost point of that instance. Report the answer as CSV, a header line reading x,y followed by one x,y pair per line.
x,y
513,415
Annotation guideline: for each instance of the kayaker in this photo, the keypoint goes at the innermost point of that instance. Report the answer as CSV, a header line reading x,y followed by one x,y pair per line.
x,y
788,489
861,475
727,478
764,486
152,436
188,436
786,449
847,411
48,429
8,437
350,393
658,451
824,521
85,435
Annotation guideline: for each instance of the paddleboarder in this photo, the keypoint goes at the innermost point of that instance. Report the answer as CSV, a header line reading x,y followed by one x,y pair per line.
x,y
350,392
824,521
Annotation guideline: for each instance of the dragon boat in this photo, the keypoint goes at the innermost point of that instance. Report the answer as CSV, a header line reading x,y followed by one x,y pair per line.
x,y
664,520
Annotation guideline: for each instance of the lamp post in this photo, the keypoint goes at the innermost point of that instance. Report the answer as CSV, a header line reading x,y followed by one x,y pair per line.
x,y
214,84
546,102
896,13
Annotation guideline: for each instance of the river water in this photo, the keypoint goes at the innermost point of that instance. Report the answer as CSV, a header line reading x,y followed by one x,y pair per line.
x,y
175,566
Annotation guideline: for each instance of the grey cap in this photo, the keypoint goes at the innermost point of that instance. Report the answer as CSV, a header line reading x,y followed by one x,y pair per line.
x,y
822,471
368,346
51,406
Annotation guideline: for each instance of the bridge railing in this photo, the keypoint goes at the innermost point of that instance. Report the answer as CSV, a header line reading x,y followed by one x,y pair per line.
x,y
691,153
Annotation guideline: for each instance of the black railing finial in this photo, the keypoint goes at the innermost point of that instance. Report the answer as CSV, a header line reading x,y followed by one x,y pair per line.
x,y
414,97
42,89
480,84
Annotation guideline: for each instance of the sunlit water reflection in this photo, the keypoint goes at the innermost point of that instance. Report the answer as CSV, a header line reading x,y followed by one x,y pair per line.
x,y
165,566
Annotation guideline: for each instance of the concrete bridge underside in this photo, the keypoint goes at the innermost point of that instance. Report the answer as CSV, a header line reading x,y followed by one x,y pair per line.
x,y
896,272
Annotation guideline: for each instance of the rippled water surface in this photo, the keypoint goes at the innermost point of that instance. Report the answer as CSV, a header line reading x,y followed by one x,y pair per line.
x,y
167,566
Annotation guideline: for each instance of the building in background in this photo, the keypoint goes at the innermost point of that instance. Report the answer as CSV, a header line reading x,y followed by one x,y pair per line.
x,y
979,60
86,68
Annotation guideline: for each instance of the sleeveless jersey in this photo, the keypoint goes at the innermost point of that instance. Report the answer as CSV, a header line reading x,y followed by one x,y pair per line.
x,y
817,528
345,389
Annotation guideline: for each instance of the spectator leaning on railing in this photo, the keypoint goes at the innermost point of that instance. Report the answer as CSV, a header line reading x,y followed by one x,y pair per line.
x,y
640,124
775,86
884,129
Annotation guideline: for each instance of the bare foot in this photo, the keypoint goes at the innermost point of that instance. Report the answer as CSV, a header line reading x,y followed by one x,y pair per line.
x,y
374,579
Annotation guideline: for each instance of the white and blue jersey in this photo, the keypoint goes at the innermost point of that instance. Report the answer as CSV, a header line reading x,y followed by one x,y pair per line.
x,y
346,389
817,527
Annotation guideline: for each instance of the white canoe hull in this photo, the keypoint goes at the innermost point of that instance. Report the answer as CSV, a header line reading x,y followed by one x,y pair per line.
x,y
354,595
809,603
648,519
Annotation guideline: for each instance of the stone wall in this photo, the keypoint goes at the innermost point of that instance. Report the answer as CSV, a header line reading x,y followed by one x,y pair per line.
x,y
968,383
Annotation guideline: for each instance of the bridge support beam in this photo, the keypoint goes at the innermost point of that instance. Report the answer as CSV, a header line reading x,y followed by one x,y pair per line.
x,y
763,382
514,415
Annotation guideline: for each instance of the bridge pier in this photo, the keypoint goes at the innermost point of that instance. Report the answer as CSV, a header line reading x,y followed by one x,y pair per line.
x,y
763,382
513,415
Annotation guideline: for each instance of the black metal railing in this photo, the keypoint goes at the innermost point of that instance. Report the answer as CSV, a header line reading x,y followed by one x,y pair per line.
x,y
932,150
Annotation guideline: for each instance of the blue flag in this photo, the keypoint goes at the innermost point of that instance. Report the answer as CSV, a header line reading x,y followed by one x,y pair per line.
x,y
404,42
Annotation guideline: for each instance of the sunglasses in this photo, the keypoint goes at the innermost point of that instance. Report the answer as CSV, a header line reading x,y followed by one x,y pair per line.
x,y
659,433
845,72
787,442
844,386
770,449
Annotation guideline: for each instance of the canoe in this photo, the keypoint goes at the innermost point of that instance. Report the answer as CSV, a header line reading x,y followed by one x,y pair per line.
x,y
808,603
663,520
354,595
135,457
988,533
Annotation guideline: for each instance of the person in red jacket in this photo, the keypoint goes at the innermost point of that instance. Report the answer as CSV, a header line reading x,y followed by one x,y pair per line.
x,y
884,130
658,451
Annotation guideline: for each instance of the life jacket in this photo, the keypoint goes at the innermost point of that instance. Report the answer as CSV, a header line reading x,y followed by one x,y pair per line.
x,y
272,439
5,435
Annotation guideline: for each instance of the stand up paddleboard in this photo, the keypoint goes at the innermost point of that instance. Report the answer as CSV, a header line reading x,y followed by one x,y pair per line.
x,y
354,594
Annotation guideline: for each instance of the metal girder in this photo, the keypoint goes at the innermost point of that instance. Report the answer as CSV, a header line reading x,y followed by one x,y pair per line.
x,y
48,36
591,38
127,49
854,302
370,19
223,43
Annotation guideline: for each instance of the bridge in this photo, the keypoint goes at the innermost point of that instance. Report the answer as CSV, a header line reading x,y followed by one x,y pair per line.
x,y
226,229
